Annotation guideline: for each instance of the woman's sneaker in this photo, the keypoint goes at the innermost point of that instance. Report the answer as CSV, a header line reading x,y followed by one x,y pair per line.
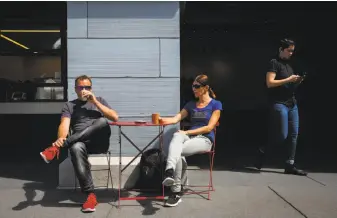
x,y
173,200
168,181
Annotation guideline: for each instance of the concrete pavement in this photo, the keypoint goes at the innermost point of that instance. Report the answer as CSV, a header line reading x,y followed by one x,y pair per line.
x,y
30,191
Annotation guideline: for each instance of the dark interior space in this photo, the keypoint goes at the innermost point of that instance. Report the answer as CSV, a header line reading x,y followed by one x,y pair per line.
x,y
24,136
33,51
233,43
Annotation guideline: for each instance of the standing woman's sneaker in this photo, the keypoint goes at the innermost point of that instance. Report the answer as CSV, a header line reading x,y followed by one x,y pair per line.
x,y
291,169
260,159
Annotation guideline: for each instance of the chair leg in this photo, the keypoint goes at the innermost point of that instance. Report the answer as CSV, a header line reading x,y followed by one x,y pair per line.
x,y
110,174
75,182
211,172
210,177
108,155
111,180
210,186
107,159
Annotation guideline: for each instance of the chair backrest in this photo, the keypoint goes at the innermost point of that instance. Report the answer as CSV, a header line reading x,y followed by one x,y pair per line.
x,y
213,147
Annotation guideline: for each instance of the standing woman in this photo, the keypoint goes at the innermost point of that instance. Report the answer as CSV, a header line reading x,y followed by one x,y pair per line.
x,y
284,120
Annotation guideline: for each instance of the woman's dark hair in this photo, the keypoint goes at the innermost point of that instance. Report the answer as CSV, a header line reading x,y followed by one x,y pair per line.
x,y
286,43
203,80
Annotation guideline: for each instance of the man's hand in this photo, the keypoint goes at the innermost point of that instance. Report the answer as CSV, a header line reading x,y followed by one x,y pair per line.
x,y
59,142
91,97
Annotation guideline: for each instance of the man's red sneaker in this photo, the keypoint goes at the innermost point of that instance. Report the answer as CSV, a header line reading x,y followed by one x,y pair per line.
x,y
50,153
90,204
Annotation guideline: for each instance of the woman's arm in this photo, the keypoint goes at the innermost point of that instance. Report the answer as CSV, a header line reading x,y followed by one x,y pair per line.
x,y
173,120
272,82
206,129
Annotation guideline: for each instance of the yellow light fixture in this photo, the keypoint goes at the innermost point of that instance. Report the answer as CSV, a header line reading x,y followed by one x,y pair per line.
x,y
13,41
23,31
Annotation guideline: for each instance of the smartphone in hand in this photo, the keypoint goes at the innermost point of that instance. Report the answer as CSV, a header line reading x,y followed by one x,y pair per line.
x,y
304,75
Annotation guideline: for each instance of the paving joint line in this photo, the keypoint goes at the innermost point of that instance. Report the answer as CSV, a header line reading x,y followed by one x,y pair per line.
x,y
285,200
316,180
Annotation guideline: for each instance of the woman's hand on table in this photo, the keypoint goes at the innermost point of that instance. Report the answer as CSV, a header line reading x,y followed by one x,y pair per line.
x,y
163,121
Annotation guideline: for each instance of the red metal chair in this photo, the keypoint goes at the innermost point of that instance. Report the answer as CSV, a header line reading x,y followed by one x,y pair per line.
x,y
108,169
211,154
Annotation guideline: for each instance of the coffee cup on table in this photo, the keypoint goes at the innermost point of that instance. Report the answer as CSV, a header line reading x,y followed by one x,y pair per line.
x,y
155,118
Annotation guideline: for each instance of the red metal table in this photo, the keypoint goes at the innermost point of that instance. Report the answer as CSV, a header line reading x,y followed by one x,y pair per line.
x,y
140,151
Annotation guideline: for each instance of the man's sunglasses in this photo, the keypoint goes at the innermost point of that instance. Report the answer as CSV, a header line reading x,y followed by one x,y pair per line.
x,y
83,87
197,86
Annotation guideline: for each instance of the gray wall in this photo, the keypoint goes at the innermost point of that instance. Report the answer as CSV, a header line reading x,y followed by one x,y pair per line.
x,y
132,52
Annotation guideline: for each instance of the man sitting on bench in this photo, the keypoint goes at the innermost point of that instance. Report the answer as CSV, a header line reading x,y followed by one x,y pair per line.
x,y
86,118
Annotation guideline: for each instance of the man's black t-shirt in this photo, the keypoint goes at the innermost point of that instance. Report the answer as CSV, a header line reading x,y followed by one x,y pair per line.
x,y
82,113
284,93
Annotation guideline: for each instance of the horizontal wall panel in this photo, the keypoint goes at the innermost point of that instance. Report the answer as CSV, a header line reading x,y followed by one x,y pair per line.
x,y
133,19
141,136
137,96
77,19
170,57
113,57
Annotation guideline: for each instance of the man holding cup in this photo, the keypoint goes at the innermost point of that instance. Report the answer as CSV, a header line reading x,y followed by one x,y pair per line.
x,y
85,117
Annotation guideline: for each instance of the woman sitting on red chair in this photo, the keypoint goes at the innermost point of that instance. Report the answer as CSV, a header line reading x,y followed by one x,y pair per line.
x,y
204,114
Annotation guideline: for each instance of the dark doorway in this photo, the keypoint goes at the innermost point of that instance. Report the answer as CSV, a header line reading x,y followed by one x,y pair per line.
x,y
233,43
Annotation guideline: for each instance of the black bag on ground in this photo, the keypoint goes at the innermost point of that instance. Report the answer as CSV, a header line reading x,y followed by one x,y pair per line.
x,y
152,165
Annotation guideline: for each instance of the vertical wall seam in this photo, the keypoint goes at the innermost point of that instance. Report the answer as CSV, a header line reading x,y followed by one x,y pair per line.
x,y
159,57
87,4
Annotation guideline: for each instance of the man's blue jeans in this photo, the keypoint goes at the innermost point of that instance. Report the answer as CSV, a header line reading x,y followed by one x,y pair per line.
x,y
283,128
